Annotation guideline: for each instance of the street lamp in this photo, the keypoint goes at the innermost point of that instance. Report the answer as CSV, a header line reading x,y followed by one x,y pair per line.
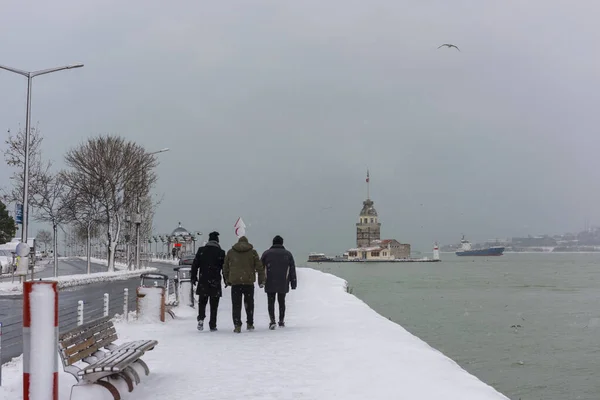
x,y
30,76
194,240
138,220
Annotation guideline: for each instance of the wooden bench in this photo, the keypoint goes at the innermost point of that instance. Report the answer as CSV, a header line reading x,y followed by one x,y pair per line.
x,y
93,344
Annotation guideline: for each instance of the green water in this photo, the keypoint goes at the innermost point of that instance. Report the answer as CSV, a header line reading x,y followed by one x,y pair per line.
x,y
466,307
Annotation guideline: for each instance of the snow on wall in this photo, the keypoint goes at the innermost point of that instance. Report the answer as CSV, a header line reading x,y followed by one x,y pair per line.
x,y
149,305
9,288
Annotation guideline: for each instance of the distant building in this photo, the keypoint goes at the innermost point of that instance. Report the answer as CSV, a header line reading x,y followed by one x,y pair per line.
x,y
368,228
369,245
388,249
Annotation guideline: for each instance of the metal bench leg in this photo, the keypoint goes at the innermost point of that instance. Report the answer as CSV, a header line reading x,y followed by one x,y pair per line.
x,y
133,373
127,380
144,365
111,388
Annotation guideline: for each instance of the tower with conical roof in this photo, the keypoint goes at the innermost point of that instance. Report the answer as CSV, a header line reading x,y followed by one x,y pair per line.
x,y
368,228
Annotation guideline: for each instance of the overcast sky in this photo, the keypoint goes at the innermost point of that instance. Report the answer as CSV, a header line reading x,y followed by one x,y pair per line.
x,y
274,110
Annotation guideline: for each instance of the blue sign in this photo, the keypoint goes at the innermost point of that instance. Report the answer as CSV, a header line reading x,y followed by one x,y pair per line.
x,y
19,214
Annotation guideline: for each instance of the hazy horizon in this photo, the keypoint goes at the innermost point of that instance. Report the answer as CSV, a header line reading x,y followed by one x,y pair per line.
x,y
274,111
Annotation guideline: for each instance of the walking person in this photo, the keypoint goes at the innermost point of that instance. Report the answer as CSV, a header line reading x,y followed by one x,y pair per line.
x,y
239,271
206,271
281,274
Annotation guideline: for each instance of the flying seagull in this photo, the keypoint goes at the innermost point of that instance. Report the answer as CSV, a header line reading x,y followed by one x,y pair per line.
x,y
448,45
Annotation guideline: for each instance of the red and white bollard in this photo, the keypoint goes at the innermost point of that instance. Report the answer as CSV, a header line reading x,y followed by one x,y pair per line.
x,y
40,340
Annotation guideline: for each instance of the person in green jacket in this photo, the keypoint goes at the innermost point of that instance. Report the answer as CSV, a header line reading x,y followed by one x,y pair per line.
x,y
240,268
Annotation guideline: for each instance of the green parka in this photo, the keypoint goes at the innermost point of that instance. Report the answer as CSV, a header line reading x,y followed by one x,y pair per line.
x,y
241,265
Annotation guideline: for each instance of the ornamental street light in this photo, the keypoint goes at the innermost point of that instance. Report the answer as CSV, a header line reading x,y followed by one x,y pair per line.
x,y
30,76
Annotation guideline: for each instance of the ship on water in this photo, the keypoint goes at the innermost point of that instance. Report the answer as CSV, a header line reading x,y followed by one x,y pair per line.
x,y
467,250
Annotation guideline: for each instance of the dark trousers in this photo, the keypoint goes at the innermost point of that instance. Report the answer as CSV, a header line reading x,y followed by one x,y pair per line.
x,y
247,291
214,306
271,304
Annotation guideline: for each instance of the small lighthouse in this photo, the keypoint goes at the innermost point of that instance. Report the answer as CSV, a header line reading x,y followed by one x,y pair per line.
x,y
436,252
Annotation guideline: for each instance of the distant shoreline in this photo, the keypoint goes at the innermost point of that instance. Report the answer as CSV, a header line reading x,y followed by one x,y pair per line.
x,y
538,252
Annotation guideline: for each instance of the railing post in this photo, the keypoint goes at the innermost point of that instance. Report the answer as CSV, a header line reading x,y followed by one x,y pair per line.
x,y
80,312
40,340
106,298
126,304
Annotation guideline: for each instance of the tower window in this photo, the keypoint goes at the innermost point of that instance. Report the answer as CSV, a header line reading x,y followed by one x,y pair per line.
x,y
371,220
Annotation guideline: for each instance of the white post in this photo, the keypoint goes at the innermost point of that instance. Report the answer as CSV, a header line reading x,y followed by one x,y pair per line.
x,y
106,304
80,312
126,305
40,341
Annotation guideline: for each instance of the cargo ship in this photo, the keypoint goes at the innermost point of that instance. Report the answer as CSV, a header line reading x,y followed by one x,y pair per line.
x,y
466,250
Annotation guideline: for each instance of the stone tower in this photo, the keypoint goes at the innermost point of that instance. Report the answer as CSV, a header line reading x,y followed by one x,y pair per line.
x,y
368,228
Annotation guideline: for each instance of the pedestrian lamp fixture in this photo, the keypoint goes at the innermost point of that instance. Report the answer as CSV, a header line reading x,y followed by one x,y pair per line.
x,y
29,75
194,239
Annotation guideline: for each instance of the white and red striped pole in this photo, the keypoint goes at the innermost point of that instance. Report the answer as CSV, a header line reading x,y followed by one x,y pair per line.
x,y
40,340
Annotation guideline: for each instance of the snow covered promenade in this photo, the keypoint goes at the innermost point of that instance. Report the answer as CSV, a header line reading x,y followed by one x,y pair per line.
x,y
333,347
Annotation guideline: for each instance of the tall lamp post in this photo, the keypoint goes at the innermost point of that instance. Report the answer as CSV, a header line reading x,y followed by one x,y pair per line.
x,y
138,220
30,76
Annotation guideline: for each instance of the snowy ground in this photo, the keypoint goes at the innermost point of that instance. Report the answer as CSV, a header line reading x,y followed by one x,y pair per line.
x,y
334,346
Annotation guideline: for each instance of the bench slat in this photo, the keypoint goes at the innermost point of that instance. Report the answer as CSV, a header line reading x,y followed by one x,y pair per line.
x,y
90,342
139,345
81,328
91,350
82,335
112,363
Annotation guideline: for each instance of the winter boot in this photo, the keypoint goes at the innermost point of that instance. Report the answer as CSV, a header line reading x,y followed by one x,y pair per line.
x,y
250,327
201,325
281,324
237,329
272,325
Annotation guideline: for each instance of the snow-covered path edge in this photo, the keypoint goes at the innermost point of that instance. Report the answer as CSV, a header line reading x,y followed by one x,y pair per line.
x,y
65,281
334,346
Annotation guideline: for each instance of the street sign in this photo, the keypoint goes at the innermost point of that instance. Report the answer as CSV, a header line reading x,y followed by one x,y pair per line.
x,y
19,214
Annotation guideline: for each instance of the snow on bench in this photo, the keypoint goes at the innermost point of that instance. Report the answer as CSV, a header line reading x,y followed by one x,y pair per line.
x,y
85,344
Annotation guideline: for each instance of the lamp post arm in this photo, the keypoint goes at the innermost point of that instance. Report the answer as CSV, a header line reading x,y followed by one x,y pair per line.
x,y
15,70
50,70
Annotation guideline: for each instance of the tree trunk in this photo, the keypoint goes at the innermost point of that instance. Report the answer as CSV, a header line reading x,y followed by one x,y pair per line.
x,y
112,241
89,248
55,251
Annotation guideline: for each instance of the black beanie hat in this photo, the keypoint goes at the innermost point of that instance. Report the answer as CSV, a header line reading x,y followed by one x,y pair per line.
x,y
214,236
277,240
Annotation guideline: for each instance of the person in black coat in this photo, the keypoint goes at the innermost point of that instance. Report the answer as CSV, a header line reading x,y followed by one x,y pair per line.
x,y
281,274
206,272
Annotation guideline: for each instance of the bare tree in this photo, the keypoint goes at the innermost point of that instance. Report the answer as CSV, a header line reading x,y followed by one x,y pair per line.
x,y
52,206
45,237
14,156
85,212
117,172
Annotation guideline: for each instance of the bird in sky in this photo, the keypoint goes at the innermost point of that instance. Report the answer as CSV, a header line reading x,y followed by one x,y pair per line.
x,y
448,45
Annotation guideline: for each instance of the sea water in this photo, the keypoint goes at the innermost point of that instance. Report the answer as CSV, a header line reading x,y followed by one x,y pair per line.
x,y
527,324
